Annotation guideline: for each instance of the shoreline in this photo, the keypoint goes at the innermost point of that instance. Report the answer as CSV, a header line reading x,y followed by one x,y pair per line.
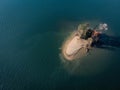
x,y
80,52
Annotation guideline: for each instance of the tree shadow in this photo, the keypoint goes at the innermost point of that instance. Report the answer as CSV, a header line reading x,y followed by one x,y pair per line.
x,y
107,42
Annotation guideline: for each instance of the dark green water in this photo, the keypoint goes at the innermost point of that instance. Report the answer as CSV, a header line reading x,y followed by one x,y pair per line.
x,y
31,31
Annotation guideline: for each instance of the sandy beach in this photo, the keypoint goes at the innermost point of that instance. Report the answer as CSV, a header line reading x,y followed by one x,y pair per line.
x,y
74,47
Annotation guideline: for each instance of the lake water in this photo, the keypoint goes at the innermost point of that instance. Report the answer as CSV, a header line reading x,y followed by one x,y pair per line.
x,y
31,33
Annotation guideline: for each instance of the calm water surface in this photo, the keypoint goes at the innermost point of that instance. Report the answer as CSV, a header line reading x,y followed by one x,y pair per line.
x,y
31,33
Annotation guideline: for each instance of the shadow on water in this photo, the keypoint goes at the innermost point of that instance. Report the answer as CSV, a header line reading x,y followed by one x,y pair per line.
x,y
108,42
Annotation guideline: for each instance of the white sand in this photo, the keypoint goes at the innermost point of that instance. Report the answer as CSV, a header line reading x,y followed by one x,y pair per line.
x,y
74,47
75,44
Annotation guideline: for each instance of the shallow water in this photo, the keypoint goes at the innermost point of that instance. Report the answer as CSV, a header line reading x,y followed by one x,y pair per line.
x,y
31,33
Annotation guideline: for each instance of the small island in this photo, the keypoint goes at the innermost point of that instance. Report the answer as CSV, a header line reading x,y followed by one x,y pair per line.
x,y
80,42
